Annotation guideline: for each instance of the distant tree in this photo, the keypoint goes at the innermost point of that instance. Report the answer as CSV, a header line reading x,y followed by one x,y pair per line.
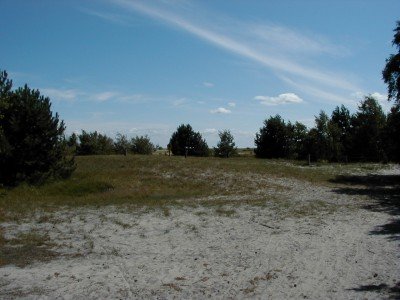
x,y
185,140
121,144
367,133
321,125
5,94
311,144
391,72
273,140
32,138
392,134
340,132
226,145
72,143
298,135
142,145
94,143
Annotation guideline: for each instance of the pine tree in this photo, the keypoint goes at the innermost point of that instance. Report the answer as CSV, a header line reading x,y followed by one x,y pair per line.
x,y
391,72
226,145
33,138
184,141
368,131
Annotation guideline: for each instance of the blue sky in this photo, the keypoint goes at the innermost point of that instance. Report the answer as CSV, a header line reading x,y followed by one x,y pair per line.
x,y
145,67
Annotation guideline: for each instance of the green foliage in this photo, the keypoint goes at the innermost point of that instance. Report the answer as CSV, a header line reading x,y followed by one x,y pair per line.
x,y
321,125
226,145
392,134
185,140
297,137
340,132
32,138
72,144
391,72
121,144
274,139
142,145
94,143
5,93
367,132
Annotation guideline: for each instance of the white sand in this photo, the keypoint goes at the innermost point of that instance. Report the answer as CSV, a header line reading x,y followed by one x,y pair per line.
x,y
194,253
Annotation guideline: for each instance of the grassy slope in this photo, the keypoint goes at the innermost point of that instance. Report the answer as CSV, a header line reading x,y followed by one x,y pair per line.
x,y
155,181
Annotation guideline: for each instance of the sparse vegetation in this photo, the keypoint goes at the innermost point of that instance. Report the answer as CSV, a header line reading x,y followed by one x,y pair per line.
x,y
25,249
161,181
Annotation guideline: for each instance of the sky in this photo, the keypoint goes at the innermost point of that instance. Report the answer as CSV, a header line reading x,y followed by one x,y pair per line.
x,y
145,67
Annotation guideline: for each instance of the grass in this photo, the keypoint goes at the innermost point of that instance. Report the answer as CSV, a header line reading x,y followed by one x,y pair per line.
x,y
225,212
25,249
160,181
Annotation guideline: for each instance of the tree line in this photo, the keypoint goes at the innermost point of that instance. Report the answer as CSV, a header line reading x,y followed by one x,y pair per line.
x,y
94,143
184,141
367,135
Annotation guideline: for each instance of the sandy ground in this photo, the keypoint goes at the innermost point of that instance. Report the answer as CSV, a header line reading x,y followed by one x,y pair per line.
x,y
197,253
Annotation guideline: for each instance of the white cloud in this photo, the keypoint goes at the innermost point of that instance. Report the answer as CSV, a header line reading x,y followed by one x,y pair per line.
x,y
101,97
322,94
61,94
210,131
357,95
380,97
281,99
208,84
179,102
231,104
220,110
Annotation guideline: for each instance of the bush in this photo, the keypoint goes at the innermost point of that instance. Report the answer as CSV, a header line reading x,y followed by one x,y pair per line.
x,y
121,144
94,143
142,145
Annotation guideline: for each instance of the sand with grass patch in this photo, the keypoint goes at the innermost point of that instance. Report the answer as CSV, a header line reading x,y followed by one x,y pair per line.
x,y
195,253
300,241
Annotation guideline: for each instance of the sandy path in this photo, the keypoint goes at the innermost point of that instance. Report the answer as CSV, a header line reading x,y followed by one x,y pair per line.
x,y
194,253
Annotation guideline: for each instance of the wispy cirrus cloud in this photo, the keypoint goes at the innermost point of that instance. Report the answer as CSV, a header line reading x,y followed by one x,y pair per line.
x,y
111,17
61,94
294,41
104,96
280,99
249,46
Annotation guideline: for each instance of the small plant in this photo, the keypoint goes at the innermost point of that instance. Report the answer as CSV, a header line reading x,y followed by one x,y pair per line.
x,y
225,212
166,212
